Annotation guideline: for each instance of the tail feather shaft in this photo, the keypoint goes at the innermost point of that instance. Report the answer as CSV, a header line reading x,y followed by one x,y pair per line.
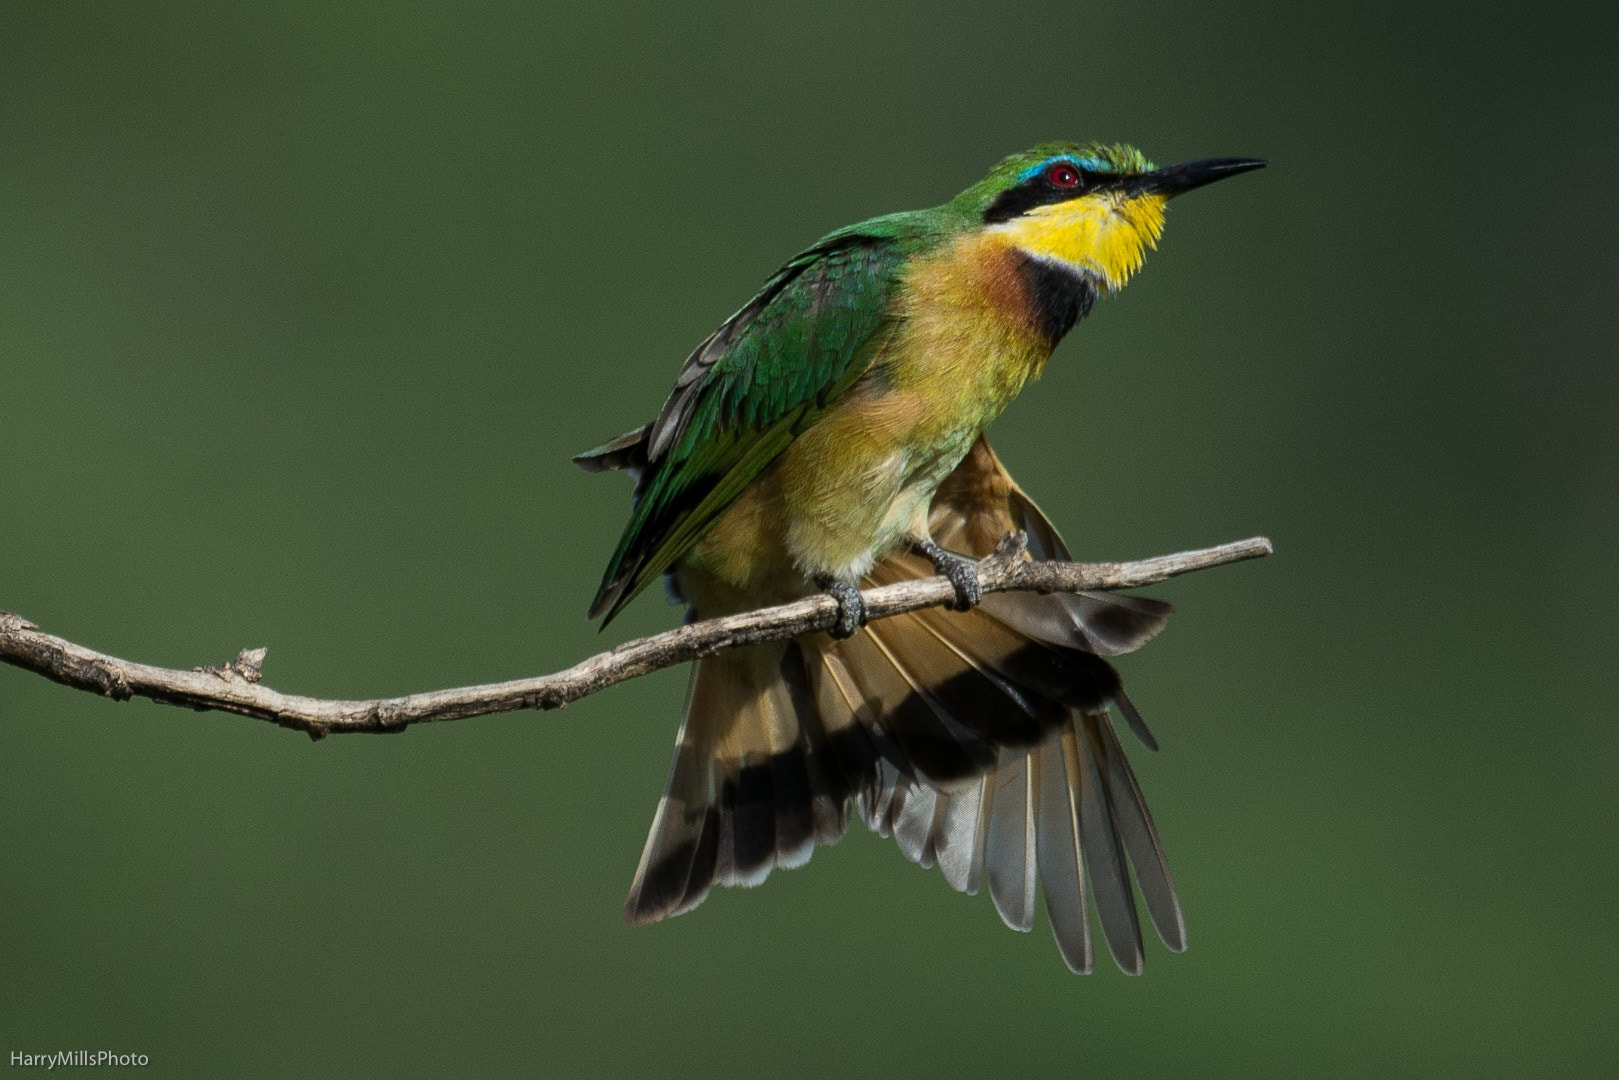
x,y
981,741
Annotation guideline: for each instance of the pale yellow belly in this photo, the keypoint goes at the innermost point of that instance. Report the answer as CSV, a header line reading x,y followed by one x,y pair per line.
x,y
857,485
846,493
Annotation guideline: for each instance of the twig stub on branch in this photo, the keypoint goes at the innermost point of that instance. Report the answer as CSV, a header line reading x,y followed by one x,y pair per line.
x,y
235,687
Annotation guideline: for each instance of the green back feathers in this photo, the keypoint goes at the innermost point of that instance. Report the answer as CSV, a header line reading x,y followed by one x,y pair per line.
x,y
743,395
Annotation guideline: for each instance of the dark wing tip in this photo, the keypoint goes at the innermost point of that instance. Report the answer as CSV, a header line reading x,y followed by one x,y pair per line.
x,y
628,451
608,603
619,586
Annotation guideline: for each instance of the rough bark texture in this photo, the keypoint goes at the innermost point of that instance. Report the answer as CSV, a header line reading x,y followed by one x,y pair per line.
x,y
235,687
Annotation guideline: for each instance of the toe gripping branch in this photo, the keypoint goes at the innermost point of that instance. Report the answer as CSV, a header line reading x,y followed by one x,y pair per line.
x,y
851,606
962,572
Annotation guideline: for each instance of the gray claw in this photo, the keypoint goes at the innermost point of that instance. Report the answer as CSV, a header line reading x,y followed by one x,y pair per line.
x,y
851,607
962,572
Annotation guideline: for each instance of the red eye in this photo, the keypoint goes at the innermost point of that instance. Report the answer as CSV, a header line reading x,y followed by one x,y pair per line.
x,y
1063,175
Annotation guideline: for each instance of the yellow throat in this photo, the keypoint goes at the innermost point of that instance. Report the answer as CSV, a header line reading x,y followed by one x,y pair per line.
x,y
1105,236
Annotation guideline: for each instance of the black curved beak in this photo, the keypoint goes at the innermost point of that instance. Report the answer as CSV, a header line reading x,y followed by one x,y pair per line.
x,y
1172,180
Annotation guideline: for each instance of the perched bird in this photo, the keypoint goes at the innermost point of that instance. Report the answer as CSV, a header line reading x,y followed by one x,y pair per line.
x,y
830,434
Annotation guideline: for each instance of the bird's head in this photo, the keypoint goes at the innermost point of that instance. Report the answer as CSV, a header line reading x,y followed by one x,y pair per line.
x,y
1086,207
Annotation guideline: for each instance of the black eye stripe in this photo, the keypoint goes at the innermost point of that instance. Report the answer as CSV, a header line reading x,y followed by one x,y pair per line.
x,y
1037,190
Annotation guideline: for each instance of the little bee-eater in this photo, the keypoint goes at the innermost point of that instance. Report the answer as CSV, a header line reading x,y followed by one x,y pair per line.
x,y
831,433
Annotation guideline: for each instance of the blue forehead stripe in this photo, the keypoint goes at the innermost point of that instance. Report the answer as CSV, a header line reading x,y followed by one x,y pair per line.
x,y
1088,164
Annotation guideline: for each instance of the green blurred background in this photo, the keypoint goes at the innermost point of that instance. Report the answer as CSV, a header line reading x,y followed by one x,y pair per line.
x,y
303,308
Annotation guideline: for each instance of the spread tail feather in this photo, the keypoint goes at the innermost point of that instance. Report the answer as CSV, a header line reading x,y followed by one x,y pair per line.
x,y
1065,813
757,781
981,741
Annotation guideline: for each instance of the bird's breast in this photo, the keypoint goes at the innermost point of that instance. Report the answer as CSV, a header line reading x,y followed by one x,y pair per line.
x,y
978,321
971,326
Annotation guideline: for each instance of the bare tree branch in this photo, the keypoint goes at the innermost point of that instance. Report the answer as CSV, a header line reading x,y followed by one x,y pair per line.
x,y
235,687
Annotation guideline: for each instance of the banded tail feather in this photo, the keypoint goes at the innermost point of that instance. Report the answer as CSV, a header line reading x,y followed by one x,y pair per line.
x,y
981,741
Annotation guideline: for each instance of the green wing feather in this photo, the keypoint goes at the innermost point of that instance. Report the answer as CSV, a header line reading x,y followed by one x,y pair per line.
x,y
759,381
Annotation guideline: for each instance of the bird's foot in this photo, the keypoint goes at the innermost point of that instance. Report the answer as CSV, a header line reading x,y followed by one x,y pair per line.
x,y
851,606
962,572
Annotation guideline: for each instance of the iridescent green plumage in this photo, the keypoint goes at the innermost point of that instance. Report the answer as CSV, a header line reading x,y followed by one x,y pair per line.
x,y
744,394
